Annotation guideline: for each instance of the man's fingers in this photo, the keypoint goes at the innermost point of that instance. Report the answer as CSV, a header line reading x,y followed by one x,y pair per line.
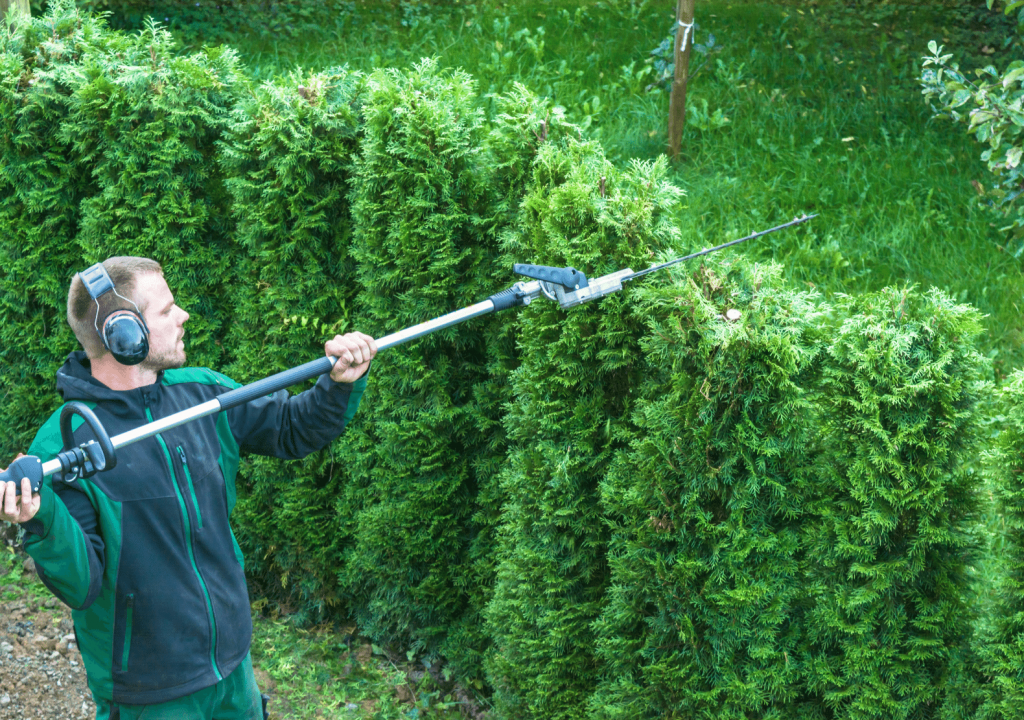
x,y
353,350
362,350
26,499
10,500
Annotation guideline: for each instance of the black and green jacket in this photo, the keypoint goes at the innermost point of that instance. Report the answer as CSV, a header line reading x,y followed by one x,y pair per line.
x,y
143,553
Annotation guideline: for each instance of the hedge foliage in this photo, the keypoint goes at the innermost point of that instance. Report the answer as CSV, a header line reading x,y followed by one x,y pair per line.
x,y
578,370
705,613
1003,647
641,507
41,189
422,249
286,158
889,541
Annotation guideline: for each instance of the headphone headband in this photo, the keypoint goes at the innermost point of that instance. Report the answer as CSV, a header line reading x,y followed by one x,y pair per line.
x,y
124,332
97,282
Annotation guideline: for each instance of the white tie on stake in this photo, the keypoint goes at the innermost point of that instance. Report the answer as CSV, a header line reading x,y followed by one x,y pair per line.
x,y
566,286
686,35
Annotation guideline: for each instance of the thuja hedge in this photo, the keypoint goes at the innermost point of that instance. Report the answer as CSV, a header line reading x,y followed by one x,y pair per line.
x,y
107,148
888,536
422,248
41,187
286,159
706,606
636,508
1002,647
572,399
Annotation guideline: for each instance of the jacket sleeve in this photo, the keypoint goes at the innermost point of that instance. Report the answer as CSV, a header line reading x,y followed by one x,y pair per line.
x,y
291,427
64,538
64,541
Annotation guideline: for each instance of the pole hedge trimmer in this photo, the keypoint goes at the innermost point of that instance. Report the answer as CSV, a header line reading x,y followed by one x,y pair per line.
x,y
567,286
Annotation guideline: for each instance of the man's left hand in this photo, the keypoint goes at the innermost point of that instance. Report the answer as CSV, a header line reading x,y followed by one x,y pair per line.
x,y
354,352
18,509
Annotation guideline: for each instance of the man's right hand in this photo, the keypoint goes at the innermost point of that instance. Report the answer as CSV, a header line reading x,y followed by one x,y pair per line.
x,y
16,509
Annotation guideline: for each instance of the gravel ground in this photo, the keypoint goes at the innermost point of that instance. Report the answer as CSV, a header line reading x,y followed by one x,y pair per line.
x,y
41,673
42,676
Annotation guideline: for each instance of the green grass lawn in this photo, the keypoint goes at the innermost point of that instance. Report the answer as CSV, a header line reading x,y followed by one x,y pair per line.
x,y
806,107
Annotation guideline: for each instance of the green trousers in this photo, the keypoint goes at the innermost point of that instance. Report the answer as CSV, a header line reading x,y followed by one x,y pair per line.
x,y
236,697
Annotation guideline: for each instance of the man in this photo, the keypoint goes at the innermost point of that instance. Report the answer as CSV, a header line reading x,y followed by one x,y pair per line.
x,y
143,553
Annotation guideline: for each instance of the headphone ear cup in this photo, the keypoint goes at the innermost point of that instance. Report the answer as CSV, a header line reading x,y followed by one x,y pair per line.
x,y
126,337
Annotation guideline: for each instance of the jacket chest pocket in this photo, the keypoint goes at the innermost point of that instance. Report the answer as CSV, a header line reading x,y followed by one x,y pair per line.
x,y
201,481
190,484
136,476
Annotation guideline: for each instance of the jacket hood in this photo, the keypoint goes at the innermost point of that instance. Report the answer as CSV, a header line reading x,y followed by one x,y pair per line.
x,y
75,382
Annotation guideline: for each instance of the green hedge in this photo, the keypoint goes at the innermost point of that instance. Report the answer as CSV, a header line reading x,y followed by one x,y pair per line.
x,y
41,188
1002,648
889,537
635,508
146,122
706,606
572,399
422,249
287,161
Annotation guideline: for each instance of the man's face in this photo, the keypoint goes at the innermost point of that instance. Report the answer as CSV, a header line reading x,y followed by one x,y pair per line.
x,y
166,323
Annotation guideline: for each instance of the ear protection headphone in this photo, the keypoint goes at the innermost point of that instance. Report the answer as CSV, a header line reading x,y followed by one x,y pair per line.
x,y
125,333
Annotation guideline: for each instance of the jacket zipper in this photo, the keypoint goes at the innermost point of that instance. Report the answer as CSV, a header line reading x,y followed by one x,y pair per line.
x,y
191,551
191,488
129,606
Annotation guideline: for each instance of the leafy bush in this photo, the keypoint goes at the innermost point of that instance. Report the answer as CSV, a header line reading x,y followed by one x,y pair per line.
x,y
570,416
662,59
704,616
889,531
991,108
287,158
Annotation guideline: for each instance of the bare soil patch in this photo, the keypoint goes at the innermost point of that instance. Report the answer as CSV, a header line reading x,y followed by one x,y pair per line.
x,y
41,671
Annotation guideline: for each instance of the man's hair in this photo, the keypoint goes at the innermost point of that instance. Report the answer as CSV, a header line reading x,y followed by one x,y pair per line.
x,y
123,271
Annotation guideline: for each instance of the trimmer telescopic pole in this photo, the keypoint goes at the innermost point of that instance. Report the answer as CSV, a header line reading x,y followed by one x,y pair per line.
x,y
567,286
282,380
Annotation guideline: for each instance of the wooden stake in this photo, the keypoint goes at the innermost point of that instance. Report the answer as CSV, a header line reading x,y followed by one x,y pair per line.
x,y
677,101
22,5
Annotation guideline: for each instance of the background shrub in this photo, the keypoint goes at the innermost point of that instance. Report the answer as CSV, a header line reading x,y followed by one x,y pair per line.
x,y
570,415
222,19
889,532
704,609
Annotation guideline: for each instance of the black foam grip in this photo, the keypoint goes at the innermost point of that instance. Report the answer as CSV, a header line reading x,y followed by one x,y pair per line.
x,y
29,467
506,299
270,385
568,277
